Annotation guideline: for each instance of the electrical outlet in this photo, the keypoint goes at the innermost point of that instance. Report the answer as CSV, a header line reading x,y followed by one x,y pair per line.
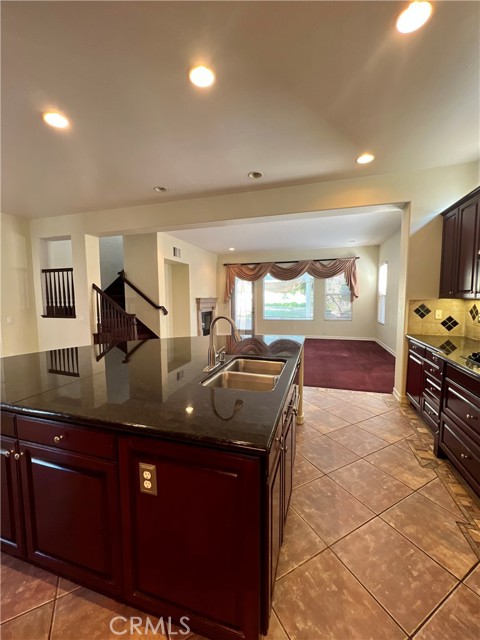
x,y
148,478
438,314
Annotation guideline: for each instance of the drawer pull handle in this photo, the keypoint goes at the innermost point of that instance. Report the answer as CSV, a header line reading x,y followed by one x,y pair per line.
x,y
58,439
463,456
470,417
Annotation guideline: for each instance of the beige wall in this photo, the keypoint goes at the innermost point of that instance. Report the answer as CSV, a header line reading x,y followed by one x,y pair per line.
x,y
19,324
142,264
389,252
362,324
202,266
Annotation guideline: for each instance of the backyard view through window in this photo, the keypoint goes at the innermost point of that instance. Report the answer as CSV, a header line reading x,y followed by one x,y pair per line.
x,y
288,299
337,299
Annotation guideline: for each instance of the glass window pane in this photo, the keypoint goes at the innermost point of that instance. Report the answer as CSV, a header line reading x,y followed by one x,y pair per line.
x,y
288,299
337,299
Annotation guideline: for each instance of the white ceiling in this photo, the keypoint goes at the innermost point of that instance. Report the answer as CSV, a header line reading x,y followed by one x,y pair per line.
x,y
303,88
355,227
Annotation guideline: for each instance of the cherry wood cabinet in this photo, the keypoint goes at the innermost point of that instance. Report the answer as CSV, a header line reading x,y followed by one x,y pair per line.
x,y
174,529
12,529
67,502
460,266
424,386
192,546
460,424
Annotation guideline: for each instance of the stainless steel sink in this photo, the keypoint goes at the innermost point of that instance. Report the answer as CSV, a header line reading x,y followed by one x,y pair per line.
x,y
249,365
227,379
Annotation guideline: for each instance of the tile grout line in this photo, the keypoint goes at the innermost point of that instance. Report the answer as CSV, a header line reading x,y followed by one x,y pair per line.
x,y
369,592
434,611
39,606
420,549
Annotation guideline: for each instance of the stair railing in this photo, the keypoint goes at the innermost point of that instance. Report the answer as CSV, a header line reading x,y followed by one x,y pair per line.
x,y
114,324
141,294
58,293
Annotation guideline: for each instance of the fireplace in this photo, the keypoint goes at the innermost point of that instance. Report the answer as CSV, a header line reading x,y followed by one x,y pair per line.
x,y
206,322
205,315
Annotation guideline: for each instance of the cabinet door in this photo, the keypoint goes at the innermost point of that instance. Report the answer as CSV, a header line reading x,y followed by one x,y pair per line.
x,y
289,457
414,379
71,515
192,534
467,249
11,524
449,255
275,526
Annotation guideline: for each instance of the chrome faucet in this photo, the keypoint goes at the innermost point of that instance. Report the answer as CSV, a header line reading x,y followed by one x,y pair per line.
x,y
213,355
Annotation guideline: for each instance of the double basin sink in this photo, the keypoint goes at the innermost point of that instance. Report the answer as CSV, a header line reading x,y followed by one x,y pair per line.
x,y
247,374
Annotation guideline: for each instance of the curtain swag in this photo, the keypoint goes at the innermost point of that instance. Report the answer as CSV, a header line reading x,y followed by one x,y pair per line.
x,y
315,268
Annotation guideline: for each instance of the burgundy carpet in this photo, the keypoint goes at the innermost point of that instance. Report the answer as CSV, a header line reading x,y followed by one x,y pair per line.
x,y
358,365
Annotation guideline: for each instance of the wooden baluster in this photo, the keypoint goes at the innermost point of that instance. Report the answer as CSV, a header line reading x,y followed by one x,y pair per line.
x,y
73,294
64,297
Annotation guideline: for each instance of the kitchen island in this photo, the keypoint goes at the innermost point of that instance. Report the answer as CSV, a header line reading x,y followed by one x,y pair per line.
x,y
122,472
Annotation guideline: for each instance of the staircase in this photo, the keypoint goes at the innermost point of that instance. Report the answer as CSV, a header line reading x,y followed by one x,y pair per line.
x,y
116,291
114,324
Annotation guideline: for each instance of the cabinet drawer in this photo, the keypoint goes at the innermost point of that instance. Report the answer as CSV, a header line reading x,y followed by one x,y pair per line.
x,y
66,437
431,414
416,348
464,450
463,407
8,424
433,356
433,389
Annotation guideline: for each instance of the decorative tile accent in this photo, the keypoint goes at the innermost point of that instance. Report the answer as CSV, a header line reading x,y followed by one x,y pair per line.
x,y
474,312
447,347
422,311
449,323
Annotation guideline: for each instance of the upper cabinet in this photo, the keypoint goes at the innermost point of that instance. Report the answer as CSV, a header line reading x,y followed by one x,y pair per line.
x,y
460,268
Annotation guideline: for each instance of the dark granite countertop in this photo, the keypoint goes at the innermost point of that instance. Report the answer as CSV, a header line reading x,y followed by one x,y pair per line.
x,y
151,391
454,350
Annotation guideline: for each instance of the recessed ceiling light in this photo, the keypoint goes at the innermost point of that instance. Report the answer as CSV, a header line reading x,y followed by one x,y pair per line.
x,y
160,189
231,248
365,158
255,175
201,76
55,120
415,16
189,409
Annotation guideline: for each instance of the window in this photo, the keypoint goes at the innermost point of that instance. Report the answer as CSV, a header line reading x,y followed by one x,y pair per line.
x,y
288,299
382,292
337,299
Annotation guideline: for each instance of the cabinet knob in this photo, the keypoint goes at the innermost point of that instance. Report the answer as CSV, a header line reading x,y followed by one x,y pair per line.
x,y
470,417
7,454
58,439
17,456
463,456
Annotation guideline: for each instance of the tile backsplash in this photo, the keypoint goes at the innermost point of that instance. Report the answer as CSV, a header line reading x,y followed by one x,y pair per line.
x,y
458,317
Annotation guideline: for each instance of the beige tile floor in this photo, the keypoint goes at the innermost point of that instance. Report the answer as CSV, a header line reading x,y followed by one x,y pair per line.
x,y
382,541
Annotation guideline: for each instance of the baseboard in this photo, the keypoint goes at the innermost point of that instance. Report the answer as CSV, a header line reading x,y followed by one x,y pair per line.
x,y
385,347
399,397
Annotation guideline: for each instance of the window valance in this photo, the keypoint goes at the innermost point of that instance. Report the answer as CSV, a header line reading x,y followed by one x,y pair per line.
x,y
315,268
